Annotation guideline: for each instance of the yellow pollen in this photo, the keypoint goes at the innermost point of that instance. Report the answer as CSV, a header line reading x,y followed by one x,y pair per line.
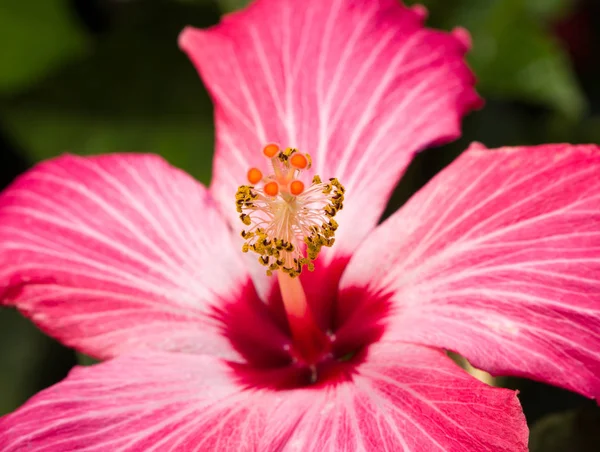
x,y
287,221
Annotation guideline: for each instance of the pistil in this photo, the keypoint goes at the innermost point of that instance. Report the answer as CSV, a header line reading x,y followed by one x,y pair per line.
x,y
287,222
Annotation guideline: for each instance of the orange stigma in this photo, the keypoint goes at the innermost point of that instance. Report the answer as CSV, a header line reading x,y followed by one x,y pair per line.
x,y
254,176
296,187
299,161
271,188
271,150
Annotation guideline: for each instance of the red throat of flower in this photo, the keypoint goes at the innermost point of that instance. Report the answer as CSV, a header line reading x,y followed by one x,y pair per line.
x,y
287,225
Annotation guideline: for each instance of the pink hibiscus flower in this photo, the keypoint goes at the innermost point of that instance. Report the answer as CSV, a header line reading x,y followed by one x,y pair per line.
x,y
125,257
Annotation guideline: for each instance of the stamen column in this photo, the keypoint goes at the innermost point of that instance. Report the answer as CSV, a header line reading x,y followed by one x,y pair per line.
x,y
310,343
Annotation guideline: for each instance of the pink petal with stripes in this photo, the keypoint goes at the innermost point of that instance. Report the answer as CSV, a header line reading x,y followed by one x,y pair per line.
x,y
358,84
402,398
116,253
498,258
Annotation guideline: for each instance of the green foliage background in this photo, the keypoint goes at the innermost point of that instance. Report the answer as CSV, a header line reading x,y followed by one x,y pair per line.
x,y
106,76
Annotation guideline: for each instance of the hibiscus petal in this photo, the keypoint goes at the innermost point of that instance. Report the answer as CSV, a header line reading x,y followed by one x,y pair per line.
x,y
498,258
155,402
118,252
410,398
401,398
358,84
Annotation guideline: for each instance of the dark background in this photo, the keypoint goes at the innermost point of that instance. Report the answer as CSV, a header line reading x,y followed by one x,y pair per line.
x,y
90,77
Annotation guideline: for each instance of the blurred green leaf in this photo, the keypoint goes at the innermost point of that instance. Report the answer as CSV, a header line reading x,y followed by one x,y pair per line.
x,y
232,5
515,55
548,9
575,430
196,1
185,142
136,93
590,130
85,360
30,360
36,37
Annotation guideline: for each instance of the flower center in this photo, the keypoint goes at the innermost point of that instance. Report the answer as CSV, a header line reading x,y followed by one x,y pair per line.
x,y
287,222
287,225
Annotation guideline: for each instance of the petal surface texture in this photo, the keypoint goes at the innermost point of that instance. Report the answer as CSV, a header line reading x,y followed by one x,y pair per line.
x,y
360,85
116,253
498,258
402,398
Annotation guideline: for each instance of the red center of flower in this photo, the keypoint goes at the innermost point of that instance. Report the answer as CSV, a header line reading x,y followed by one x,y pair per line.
x,y
294,340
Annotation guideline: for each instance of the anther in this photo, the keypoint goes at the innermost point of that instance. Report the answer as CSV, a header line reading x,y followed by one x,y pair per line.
x,y
298,161
254,176
296,187
271,188
271,150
